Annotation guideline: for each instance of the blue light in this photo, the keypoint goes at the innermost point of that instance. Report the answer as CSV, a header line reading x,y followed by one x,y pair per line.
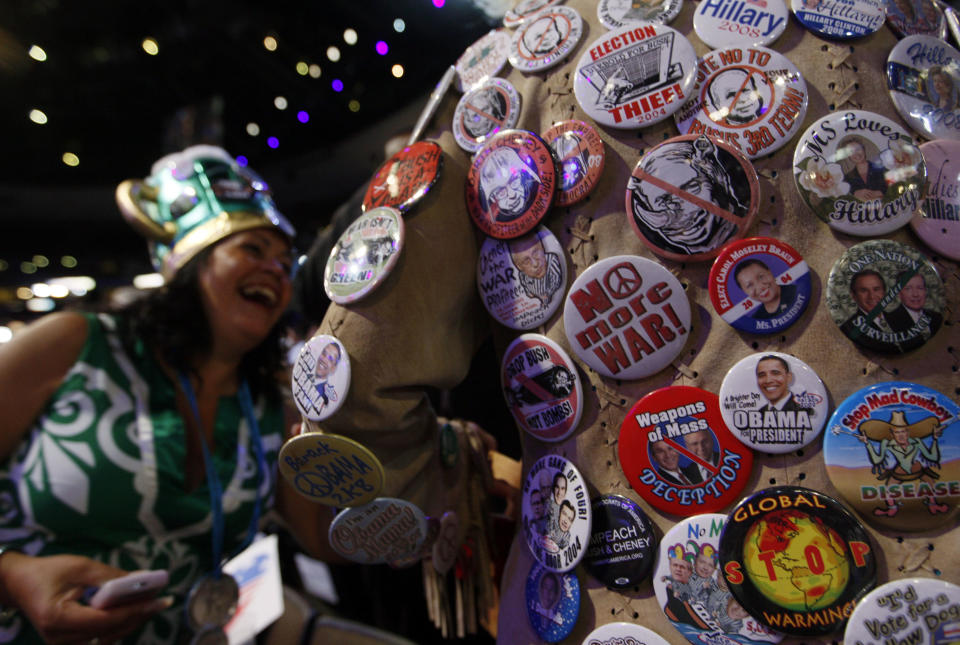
x,y
337,85
302,116
273,142
242,161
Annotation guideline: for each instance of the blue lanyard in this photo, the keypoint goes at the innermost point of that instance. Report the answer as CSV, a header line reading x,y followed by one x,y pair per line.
x,y
213,481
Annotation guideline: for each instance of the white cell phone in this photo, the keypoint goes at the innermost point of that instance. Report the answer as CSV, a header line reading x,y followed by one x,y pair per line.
x,y
135,586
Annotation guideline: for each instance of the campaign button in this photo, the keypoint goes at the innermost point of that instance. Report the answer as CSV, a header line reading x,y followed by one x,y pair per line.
x,y
692,592
690,195
524,10
623,543
891,451
740,23
364,255
405,177
859,172
485,110
449,446
545,39
925,88
580,155
916,18
759,285
330,469
627,317
677,452
615,633
444,551
614,14
522,281
483,59
511,184
886,296
556,513
553,602
840,19
937,222
384,530
773,402
796,560
918,610
753,98
320,379
635,76
541,387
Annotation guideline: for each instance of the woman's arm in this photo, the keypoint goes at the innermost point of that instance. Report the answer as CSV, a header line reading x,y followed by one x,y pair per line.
x,y
32,366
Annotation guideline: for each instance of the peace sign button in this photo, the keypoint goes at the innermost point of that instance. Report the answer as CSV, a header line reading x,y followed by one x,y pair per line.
x,y
627,317
330,469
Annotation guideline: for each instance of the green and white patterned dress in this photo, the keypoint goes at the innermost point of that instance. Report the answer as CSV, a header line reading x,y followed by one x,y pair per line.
x,y
101,474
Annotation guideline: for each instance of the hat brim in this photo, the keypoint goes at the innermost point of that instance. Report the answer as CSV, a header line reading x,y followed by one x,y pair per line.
x,y
876,429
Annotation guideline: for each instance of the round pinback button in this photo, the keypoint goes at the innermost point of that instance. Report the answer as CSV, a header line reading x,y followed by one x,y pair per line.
x,y
690,195
796,560
541,387
627,317
615,633
739,23
405,177
485,110
448,445
937,222
923,76
635,76
677,453
445,547
522,281
860,172
483,59
759,285
623,543
916,18
320,378
886,296
511,184
384,530
524,10
692,592
331,469
773,402
545,39
364,255
556,513
892,450
840,19
918,610
580,157
751,97
553,602
614,14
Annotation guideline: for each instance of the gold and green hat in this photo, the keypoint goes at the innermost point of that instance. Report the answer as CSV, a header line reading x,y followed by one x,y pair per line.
x,y
192,199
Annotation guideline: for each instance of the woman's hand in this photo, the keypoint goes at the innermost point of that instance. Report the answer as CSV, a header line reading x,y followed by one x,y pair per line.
x,y
47,590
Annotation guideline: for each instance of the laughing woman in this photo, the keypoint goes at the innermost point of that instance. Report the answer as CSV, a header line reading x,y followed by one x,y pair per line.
x,y
148,438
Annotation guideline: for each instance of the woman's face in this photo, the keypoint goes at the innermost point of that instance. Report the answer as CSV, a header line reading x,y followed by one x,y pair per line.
x,y
244,286
942,84
758,283
857,154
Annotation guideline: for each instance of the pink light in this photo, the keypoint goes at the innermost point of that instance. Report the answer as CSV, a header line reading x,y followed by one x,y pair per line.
x,y
438,3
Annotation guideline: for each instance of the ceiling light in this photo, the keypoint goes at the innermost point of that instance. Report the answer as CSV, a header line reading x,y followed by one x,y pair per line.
x,y
382,48
333,53
40,305
314,71
302,68
148,281
36,53
70,159
40,290
270,44
399,25
350,36
253,129
397,70
354,105
303,116
68,261
24,293
150,46
273,142
6,334
38,116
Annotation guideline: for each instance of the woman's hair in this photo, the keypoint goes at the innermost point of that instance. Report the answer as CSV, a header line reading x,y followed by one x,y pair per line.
x,y
171,323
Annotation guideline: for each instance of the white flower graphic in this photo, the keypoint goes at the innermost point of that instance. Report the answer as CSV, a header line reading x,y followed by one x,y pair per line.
x,y
901,160
826,180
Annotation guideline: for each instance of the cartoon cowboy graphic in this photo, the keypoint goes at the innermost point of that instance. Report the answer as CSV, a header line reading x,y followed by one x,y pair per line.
x,y
902,455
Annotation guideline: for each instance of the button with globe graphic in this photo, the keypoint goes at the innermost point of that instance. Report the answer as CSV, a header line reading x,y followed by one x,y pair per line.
x,y
797,560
